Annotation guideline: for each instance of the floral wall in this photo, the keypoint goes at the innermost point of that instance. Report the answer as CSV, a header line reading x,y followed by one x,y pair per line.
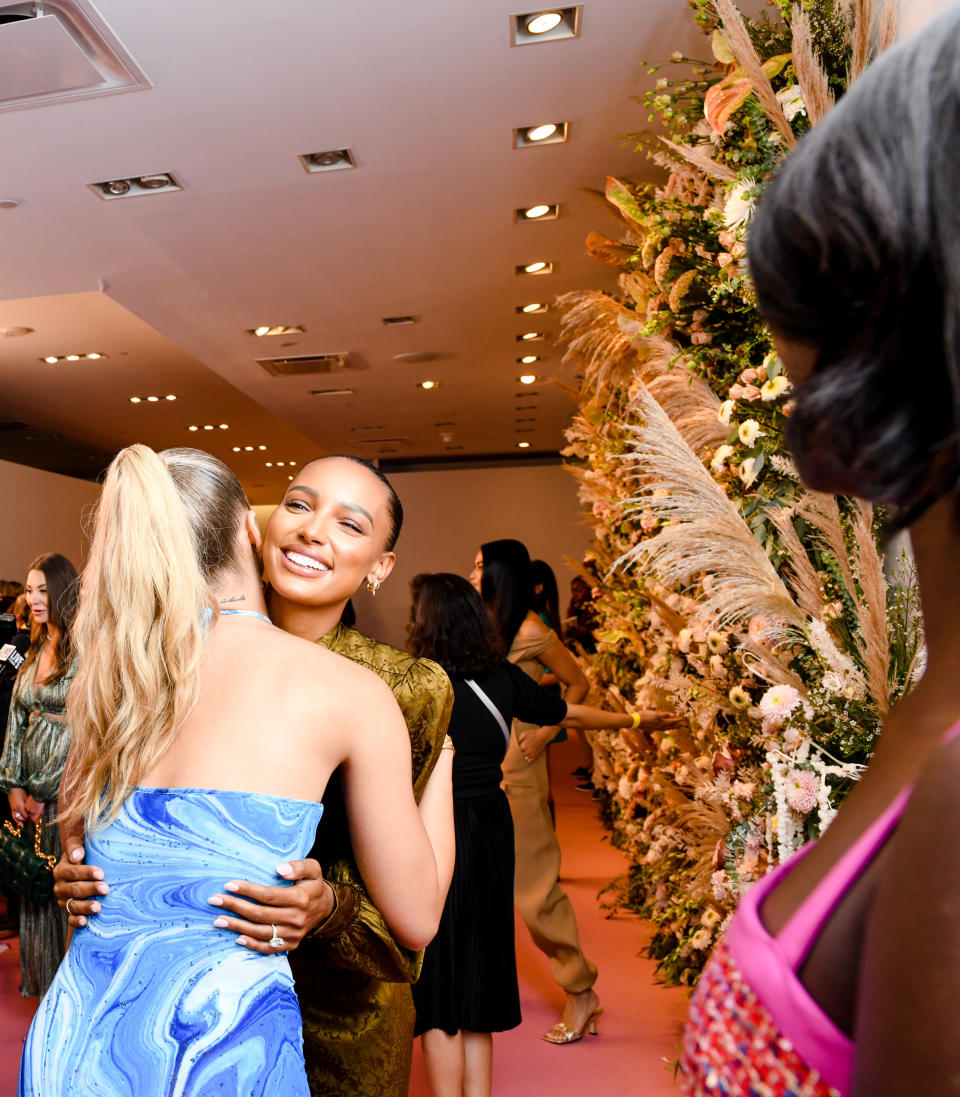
x,y
723,589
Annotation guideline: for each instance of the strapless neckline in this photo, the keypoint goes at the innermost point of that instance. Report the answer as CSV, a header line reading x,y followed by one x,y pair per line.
x,y
182,790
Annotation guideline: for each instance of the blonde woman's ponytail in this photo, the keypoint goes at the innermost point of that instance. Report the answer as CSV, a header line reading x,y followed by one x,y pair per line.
x,y
145,595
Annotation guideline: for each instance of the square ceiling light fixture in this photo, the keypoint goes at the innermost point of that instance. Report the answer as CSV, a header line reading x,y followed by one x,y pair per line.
x,y
136,186
59,50
328,160
541,133
548,25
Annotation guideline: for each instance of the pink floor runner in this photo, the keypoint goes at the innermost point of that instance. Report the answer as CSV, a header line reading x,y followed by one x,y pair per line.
x,y
640,1027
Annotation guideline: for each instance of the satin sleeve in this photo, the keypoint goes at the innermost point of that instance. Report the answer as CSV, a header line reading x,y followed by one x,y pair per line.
x,y
355,935
11,763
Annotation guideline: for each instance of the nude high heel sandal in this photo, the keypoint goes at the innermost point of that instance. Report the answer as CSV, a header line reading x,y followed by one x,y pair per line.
x,y
560,1034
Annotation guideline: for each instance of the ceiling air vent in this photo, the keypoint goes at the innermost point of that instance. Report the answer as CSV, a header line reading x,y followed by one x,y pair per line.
x,y
305,363
59,50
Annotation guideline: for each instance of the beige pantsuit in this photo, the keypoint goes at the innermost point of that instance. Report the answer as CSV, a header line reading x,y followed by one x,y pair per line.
x,y
543,905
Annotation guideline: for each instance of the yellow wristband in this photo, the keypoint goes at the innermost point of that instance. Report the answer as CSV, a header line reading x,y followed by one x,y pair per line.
x,y
635,717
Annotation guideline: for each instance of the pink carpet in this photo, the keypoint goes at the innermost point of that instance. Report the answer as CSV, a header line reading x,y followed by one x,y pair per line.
x,y
639,1031
640,1026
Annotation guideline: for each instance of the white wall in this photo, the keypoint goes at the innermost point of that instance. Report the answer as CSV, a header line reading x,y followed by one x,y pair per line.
x,y
41,512
448,514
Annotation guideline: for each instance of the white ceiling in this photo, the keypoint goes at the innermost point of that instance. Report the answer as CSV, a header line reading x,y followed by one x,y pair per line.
x,y
427,95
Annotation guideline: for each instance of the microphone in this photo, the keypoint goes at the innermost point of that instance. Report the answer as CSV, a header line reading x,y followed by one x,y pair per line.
x,y
13,654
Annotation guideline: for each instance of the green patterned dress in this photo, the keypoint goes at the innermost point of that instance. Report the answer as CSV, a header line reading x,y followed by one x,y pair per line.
x,y
34,755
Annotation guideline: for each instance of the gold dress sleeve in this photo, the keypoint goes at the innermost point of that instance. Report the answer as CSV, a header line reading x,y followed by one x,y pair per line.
x,y
352,977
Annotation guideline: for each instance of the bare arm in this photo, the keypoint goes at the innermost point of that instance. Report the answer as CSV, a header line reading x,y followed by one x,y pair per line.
x,y
585,716
906,1033
405,853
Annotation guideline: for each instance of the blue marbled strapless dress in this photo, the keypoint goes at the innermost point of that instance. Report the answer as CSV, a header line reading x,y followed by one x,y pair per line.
x,y
152,1000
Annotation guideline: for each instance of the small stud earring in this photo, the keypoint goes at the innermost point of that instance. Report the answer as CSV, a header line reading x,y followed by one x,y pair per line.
x,y
374,587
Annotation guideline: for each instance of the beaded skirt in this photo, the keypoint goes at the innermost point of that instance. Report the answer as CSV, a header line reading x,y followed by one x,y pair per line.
x,y
733,1048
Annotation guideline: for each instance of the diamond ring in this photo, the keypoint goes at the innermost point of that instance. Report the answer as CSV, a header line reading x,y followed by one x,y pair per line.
x,y
275,941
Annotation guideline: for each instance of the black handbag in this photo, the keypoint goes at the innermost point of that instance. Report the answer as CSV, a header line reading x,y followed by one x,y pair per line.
x,y
28,871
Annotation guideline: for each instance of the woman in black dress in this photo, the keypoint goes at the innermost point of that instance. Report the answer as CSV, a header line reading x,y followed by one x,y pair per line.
x,y
468,988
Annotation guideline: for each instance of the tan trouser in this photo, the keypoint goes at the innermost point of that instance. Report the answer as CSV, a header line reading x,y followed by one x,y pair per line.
x,y
541,901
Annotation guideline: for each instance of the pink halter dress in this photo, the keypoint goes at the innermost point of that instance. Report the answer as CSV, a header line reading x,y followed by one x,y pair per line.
x,y
753,1029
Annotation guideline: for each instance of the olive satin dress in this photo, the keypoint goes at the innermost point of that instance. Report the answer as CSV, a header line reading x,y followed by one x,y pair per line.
x,y
352,979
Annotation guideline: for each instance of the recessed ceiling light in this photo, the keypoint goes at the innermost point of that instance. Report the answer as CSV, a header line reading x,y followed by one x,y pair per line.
x,y
544,133
548,25
534,306
523,445
136,186
333,392
279,329
193,428
236,449
153,399
428,384
538,266
269,464
73,357
289,477
547,20
530,336
248,449
51,358
208,426
134,399
327,160
542,212
527,359
527,378
169,396
280,464
224,426
261,447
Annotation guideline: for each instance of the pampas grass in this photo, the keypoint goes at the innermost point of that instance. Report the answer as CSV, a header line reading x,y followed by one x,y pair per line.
x,y
811,78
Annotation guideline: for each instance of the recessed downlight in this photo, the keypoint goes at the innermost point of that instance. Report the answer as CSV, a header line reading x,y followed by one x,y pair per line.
x,y
548,25
541,212
193,428
153,399
523,445
51,358
428,385
528,378
236,449
536,266
136,186
543,133
327,160
264,330
134,399
534,306
530,336
529,359
170,396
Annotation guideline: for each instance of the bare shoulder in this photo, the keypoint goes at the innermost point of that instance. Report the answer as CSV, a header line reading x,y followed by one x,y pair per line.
x,y
532,628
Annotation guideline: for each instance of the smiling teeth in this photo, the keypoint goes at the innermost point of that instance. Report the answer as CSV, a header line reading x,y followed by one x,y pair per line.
x,y
306,561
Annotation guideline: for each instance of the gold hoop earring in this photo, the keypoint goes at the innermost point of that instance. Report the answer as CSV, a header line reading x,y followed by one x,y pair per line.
x,y
373,587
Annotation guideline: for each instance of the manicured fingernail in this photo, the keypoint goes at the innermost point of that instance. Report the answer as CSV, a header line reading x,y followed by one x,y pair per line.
x,y
103,889
284,870
81,921
215,900
241,940
231,885
220,923
76,855
94,908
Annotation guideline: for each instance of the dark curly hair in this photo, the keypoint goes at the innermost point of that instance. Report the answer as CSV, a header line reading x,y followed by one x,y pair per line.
x,y
854,251
449,623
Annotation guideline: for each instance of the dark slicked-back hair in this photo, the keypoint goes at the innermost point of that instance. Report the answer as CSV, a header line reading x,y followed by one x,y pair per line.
x,y
506,585
854,250
449,623
394,506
